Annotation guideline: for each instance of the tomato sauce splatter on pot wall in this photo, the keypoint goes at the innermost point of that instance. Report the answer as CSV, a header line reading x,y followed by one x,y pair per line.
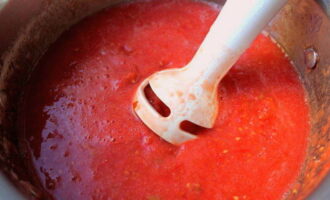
x,y
85,141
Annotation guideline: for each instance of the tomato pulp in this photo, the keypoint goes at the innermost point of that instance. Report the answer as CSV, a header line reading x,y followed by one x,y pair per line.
x,y
85,142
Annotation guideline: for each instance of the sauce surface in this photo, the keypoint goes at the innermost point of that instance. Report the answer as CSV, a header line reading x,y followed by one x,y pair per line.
x,y
86,142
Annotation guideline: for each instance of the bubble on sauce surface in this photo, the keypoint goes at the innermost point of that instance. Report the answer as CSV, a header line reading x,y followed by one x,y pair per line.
x,y
103,52
126,49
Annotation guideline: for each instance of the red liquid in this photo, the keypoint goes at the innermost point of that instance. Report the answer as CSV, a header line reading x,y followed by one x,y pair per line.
x,y
86,142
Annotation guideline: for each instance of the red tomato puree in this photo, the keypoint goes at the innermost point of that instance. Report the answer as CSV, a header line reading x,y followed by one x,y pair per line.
x,y
85,142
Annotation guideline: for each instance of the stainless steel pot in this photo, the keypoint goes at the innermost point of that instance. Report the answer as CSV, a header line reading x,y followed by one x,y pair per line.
x,y
302,28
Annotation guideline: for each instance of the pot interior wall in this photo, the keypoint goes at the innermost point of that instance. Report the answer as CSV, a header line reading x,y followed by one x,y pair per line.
x,y
300,25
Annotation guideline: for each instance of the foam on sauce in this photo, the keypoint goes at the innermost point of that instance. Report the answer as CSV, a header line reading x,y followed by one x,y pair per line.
x,y
85,141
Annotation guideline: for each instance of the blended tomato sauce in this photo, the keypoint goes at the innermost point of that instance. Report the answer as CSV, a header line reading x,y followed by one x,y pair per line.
x,y
85,142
